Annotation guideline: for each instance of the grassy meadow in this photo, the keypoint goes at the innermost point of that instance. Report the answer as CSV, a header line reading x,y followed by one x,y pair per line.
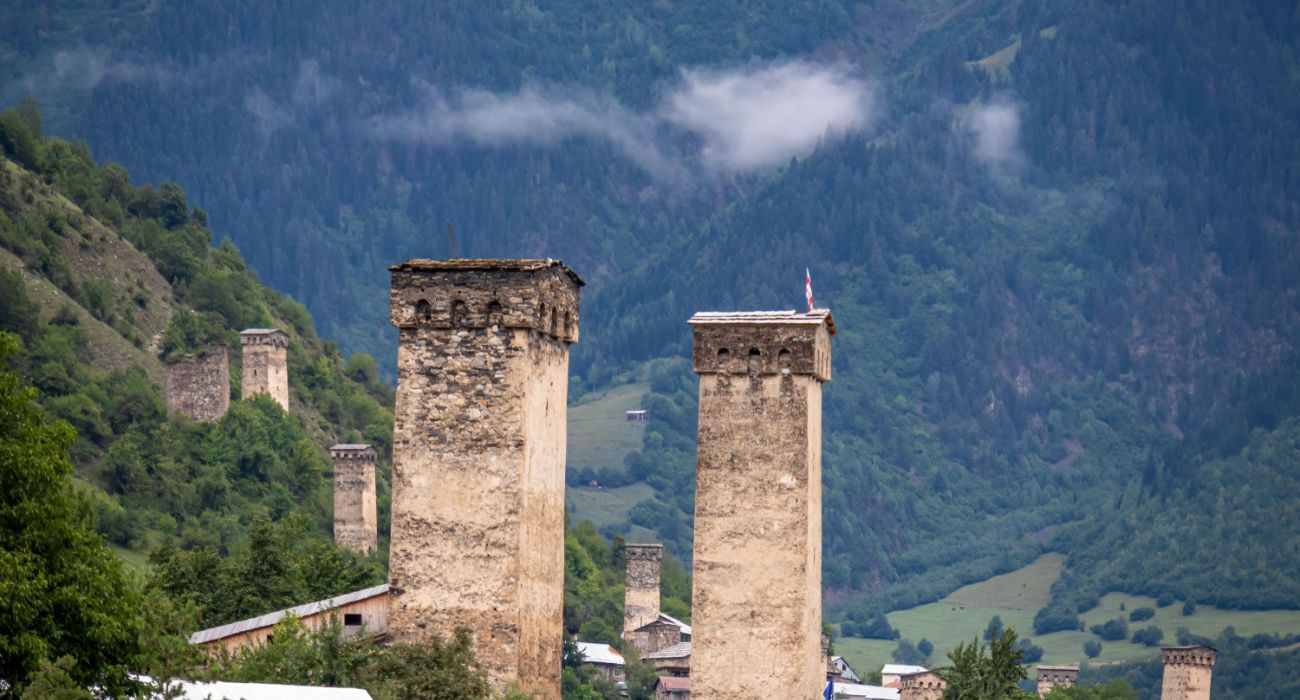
x,y
599,433
1016,596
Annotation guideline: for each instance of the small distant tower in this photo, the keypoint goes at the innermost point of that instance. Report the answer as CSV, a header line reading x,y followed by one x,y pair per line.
x,y
198,385
266,364
356,524
478,460
641,589
924,685
1064,675
1187,672
757,617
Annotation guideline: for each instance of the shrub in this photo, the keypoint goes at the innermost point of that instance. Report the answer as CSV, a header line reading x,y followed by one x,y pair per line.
x,y
1112,631
1165,600
1150,636
1140,614
1092,648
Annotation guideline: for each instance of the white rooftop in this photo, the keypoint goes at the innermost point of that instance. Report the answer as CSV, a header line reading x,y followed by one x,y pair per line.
x,y
238,627
789,317
901,669
222,690
600,653
870,692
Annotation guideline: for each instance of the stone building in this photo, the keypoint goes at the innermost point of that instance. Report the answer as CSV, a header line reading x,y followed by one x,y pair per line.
x,y
356,522
198,385
478,459
1187,672
757,570
266,363
641,587
1050,676
926,685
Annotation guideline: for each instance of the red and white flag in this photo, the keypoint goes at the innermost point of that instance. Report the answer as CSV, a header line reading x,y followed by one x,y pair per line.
x,y
807,287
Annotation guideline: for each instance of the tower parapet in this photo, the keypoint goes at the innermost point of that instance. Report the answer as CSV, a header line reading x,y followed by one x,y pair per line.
x,y
757,574
266,363
356,523
1051,676
1187,672
478,459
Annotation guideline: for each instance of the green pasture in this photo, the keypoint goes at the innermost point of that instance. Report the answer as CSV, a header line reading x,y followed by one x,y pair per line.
x,y
605,506
1018,595
599,433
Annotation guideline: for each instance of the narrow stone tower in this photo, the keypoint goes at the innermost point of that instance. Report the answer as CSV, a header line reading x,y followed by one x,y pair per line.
x,y
198,385
266,364
1187,672
356,524
758,503
478,459
641,588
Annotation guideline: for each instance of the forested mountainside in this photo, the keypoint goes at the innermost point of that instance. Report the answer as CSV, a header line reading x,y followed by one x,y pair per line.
x,y
1059,239
104,282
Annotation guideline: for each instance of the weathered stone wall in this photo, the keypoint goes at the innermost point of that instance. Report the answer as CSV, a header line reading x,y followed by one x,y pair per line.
x,y
921,686
356,523
1187,673
266,364
756,619
641,588
651,638
478,460
1051,676
198,385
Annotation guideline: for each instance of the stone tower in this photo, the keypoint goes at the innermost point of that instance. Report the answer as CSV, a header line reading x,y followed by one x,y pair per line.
x,y
198,385
923,685
641,589
1049,677
478,459
266,364
356,525
1187,672
758,503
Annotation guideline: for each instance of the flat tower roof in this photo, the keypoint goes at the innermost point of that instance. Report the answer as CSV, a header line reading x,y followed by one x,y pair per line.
x,y
261,331
486,265
816,317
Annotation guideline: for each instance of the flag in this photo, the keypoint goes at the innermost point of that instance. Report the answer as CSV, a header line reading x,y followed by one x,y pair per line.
x,y
807,287
829,693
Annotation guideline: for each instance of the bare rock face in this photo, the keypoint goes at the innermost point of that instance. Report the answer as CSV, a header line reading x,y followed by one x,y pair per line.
x,y
266,364
756,616
198,386
356,523
478,459
641,590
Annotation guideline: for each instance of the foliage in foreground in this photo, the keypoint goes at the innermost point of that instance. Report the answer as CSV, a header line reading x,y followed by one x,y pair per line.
x,y
994,672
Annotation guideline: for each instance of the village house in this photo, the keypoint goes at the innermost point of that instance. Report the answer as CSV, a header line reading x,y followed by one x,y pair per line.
x,y
364,611
603,658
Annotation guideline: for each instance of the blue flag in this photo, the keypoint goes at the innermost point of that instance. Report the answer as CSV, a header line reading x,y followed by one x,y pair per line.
x,y
829,693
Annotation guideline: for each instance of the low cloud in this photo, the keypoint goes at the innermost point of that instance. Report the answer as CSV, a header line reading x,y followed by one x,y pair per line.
x,y
86,68
743,119
757,118
268,115
996,128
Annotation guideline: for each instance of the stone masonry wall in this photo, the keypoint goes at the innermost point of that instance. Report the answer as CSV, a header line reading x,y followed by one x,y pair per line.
x,y
641,589
356,523
1187,673
757,574
266,364
478,460
198,385
921,686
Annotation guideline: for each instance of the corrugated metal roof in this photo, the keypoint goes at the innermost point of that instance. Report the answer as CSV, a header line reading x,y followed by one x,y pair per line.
x,y
350,446
261,331
790,317
870,692
685,628
222,690
1058,667
679,650
901,670
486,265
600,653
232,628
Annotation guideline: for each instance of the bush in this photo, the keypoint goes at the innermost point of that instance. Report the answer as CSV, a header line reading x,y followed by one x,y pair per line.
x,y
1140,614
1165,600
1112,631
1150,636
1092,648
1189,608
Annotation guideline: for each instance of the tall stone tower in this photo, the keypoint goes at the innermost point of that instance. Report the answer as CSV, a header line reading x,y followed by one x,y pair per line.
x,y
356,524
478,459
923,685
758,503
198,385
641,589
1187,672
266,364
